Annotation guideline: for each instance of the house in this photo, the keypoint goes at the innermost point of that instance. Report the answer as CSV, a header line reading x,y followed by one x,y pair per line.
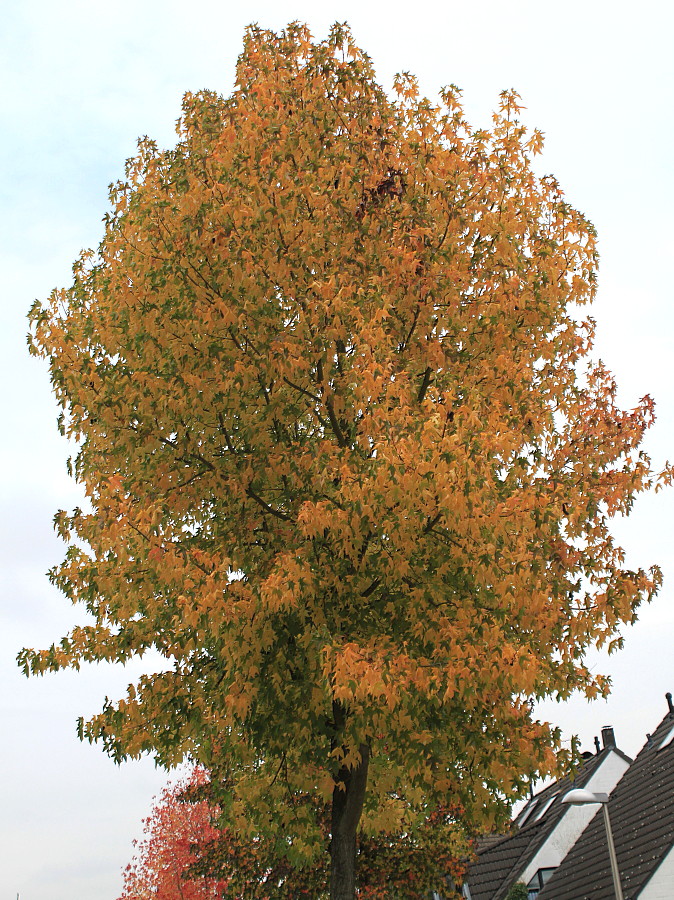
x,y
641,809
545,830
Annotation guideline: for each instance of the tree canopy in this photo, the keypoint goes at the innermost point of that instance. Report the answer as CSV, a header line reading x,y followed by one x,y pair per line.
x,y
349,464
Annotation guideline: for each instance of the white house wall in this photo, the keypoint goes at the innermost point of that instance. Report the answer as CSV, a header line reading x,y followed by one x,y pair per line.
x,y
661,883
576,818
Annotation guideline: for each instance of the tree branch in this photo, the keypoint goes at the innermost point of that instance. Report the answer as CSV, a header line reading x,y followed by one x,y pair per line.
x,y
428,374
270,509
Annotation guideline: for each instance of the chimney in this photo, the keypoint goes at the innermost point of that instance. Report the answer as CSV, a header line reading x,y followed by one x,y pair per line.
x,y
607,737
597,746
668,697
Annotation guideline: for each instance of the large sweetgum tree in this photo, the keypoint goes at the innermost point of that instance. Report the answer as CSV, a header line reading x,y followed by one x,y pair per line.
x,y
349,465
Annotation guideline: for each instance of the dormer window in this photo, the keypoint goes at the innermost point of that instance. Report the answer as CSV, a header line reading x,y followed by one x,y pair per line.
x,y
538,881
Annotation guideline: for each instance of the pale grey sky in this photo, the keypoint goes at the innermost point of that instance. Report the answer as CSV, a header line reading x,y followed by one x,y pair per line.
x,y
82,81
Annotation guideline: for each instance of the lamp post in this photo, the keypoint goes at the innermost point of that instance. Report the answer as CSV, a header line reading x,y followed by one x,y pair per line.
x,y
581,797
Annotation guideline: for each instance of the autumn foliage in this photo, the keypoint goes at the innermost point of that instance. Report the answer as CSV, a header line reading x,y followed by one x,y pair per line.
x,y
164,857
348,462
185,856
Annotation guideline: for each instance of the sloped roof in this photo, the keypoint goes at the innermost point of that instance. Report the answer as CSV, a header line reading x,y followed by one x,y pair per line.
x,y
642,820
500,864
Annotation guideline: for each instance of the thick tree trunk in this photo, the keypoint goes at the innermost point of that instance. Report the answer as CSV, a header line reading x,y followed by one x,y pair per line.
x,y
347,806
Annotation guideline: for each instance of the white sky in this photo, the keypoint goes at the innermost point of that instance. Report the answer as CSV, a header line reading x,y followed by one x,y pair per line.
x,y
82,81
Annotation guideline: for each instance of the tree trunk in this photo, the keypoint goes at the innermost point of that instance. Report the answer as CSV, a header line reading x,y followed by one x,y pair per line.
x,y
347,806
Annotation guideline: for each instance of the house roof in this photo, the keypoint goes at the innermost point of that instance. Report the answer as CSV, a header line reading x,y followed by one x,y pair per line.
x,y
500,863
642,819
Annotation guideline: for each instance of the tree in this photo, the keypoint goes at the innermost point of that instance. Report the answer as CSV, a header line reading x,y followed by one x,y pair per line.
x,y
349,464
518,892
184,855
167,852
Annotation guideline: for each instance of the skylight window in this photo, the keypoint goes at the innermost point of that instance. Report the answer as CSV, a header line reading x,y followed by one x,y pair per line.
x,y
527,812
546,807
669,737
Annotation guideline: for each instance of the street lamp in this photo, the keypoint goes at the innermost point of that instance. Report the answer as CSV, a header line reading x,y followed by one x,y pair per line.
x,y
580,797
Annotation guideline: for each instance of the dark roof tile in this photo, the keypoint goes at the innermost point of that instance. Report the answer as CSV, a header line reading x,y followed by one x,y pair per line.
x,y
502,859
642,820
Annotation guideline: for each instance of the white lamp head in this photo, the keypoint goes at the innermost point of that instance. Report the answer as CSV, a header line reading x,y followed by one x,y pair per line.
x,y
579,797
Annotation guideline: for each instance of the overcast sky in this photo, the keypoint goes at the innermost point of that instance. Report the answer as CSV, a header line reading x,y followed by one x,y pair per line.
x,y
83,80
